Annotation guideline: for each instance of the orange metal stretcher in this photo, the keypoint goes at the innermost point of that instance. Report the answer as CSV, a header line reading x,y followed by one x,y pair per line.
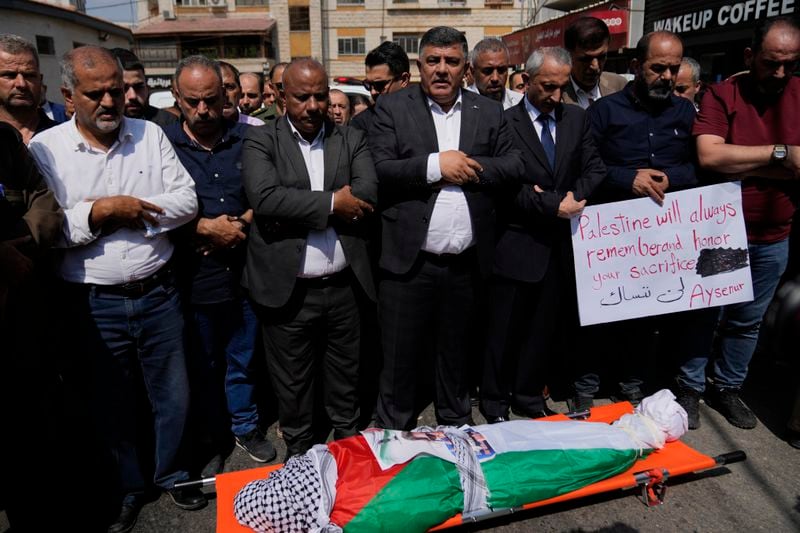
x,y
650,473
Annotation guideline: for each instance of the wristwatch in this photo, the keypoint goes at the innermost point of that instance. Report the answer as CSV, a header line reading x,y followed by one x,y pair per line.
x,y
779,153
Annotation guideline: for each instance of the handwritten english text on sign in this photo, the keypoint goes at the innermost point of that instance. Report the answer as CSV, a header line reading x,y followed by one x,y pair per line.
x,y
636,258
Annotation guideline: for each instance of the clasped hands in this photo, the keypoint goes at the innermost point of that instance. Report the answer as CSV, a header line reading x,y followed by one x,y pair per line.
x,y
457,168
348,207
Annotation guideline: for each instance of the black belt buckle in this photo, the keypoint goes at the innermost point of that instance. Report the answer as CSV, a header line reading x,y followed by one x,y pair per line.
x,y
137,289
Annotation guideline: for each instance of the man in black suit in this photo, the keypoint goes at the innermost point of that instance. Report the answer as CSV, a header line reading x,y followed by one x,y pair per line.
x,y
310,183
532,288
440,154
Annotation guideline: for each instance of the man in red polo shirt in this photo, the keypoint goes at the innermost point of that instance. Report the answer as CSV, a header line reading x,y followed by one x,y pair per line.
x,y
747,129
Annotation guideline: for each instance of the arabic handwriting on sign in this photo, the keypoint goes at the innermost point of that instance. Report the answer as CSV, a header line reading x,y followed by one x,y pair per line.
x,y
672,295
636,296
613,298
616,297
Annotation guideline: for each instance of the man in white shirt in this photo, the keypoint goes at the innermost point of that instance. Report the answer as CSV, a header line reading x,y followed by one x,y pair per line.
x,y
310,184
587,40
490,63
122,189
440,153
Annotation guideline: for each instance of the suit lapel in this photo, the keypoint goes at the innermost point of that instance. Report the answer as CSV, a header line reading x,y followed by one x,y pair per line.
x,y
525,131
421,112
470,109
331,149
291,151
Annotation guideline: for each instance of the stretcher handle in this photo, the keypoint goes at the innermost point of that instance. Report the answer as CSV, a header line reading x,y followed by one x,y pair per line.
x,y
196,483
731,457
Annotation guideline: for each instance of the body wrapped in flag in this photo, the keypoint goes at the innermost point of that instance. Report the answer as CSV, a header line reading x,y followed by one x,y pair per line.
x,y
386,480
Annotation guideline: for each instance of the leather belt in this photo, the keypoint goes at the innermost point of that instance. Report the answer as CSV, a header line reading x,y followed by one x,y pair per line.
x,y
449,259
337,279
138,288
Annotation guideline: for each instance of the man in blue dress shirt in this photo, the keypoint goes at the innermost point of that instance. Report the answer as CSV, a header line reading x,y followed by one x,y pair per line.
x,y
223,327
644,135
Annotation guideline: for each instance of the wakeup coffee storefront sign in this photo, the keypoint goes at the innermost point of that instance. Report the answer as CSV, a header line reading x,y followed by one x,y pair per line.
x,y
685,17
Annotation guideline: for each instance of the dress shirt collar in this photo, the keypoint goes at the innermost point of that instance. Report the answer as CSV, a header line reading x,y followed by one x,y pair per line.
x,y
438,109
594,93
231,134
124,133
534,113
300,138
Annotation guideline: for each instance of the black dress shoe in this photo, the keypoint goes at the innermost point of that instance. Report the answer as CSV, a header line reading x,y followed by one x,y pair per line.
x,y
188,499
126,519
793,438
496,419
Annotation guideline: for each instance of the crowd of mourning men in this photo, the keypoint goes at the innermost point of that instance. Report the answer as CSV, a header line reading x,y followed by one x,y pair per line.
x,y
414,252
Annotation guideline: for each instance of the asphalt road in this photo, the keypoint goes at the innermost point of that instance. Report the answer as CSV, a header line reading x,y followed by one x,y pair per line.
x,y
761,494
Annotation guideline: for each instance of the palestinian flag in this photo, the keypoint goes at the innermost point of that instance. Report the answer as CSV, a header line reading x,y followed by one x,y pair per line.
x,y
525,461
386,480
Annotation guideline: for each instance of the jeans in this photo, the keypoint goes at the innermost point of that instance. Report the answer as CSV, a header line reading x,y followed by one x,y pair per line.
x,y
122,339
739,324
226,336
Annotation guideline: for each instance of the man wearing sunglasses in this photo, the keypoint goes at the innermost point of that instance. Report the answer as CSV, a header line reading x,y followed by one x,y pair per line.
x,y
587,40
387,71
276,80
489,60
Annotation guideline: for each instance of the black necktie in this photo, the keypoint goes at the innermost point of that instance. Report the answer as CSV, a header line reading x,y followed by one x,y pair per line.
x,y
547,140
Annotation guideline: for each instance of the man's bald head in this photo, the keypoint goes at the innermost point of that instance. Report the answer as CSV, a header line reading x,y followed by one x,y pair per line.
x,y
85,57
302,68
305,89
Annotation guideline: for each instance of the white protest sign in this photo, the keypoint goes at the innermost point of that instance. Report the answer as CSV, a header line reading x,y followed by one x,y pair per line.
x,y
636,258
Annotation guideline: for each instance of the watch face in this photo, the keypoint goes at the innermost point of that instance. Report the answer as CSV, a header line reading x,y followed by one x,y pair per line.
x,y
779,152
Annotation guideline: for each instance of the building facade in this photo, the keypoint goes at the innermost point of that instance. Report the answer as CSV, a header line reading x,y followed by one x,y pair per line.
x,y
55,28
254,34
351,28
242,32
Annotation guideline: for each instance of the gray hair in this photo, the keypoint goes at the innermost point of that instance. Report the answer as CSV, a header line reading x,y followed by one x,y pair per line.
x,y
694,66
197,61
15,45
489,44
89,56
536,59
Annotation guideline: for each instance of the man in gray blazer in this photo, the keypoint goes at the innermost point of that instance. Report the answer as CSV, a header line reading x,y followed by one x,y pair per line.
x,y
310,184
587,40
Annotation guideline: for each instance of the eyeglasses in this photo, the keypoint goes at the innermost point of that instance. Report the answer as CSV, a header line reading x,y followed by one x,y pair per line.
x,y
487,71
378,86
680,89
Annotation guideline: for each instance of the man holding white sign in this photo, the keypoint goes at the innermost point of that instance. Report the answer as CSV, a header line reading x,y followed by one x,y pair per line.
x,y
643,134
747,127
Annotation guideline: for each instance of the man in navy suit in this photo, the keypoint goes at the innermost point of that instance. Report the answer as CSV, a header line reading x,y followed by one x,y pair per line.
x,y
441,154
532,287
